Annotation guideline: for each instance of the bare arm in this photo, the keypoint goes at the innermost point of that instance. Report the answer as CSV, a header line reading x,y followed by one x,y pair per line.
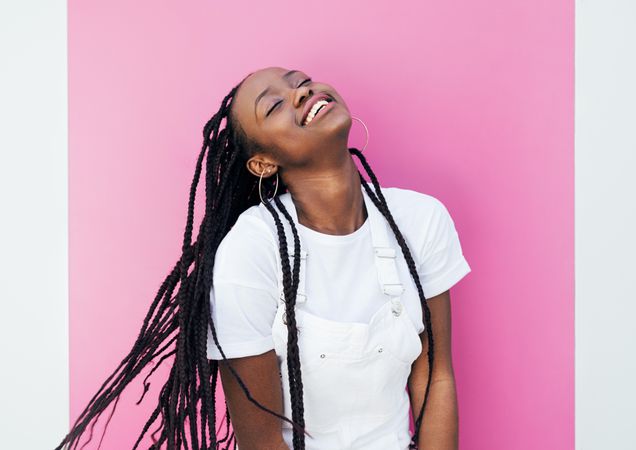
x,y
255,429
440,427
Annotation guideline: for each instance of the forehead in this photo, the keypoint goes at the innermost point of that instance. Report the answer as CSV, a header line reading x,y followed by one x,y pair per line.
x,y
263,77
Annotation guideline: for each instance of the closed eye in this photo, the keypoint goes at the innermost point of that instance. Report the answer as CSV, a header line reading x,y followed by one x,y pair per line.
x,y
273,107
280,101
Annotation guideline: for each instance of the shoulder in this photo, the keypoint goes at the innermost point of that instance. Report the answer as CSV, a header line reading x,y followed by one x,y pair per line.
x,y
247,251
413,207
423,219
249,229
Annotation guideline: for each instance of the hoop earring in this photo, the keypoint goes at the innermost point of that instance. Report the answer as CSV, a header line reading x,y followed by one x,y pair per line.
x,y
365,129
260,180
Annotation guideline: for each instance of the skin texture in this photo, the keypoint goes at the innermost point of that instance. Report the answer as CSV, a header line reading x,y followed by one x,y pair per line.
x,y
440,428
254,428
315,164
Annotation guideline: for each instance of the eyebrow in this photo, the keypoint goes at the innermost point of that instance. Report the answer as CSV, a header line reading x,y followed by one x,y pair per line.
x,y
266,90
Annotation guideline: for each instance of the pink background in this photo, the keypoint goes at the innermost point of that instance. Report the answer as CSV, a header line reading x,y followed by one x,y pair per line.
x,y
471,102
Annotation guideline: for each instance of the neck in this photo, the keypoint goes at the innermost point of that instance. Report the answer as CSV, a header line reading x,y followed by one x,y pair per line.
x,y
330,202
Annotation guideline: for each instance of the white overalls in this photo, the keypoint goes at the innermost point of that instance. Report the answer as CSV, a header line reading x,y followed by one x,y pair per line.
x,y
354,374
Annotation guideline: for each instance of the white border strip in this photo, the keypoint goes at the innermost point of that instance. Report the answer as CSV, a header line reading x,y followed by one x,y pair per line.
x,y
605,224
34,380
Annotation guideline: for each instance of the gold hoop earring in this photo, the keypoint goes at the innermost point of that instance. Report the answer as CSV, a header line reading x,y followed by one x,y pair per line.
x,y
366,131
260,181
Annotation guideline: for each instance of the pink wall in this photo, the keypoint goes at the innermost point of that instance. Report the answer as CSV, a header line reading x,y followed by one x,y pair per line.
x,y
471,102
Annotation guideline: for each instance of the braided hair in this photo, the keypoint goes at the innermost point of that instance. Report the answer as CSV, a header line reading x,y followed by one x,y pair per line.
x,y
177,324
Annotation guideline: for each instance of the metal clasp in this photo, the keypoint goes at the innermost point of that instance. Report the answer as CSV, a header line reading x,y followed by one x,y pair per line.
x,y
396,307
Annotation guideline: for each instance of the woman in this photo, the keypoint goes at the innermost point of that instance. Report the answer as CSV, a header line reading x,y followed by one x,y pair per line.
x,y
319,297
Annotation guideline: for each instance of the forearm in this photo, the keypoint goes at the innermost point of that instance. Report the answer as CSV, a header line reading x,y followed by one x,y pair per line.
x,y
275,444
440,424
280,445
254,428
272,445
260,441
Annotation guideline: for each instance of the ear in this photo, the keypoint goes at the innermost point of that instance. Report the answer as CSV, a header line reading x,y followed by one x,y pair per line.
x,y
258,165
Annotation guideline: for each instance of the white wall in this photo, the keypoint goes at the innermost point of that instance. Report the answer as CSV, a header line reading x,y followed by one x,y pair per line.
x,y
605,224
34,384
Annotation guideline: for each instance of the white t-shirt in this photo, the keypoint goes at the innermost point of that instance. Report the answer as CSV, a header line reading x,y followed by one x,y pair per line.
x,y
245,292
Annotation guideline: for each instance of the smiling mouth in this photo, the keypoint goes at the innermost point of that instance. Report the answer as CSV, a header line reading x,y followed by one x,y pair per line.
x,y
320,107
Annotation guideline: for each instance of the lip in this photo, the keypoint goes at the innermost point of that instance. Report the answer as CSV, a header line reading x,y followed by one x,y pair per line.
x,y
324,110
311,102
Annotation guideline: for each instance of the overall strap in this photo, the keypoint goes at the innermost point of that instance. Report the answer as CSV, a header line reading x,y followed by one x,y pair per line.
x,y
385,254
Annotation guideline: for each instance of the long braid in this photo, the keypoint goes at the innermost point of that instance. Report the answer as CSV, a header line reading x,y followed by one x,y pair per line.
x,y
177,325
290,286
293,359
382,205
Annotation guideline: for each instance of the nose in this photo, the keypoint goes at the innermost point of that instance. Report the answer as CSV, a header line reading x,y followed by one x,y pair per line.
x,y
300,94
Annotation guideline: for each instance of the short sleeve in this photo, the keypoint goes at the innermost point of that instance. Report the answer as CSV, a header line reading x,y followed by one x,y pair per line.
x,y
244,295
441,263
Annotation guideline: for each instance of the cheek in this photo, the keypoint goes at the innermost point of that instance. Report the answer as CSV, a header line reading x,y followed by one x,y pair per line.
x,y
282,129
291,145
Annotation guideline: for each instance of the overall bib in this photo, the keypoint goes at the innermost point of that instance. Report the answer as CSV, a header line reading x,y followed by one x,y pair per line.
x,y
354,374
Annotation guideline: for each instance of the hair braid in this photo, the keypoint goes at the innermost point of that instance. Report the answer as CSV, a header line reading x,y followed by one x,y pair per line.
x,y
176,324
293,358
382,205
290,289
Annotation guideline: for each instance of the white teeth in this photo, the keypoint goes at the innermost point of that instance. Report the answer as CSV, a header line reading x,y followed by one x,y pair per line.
x,y
314,109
